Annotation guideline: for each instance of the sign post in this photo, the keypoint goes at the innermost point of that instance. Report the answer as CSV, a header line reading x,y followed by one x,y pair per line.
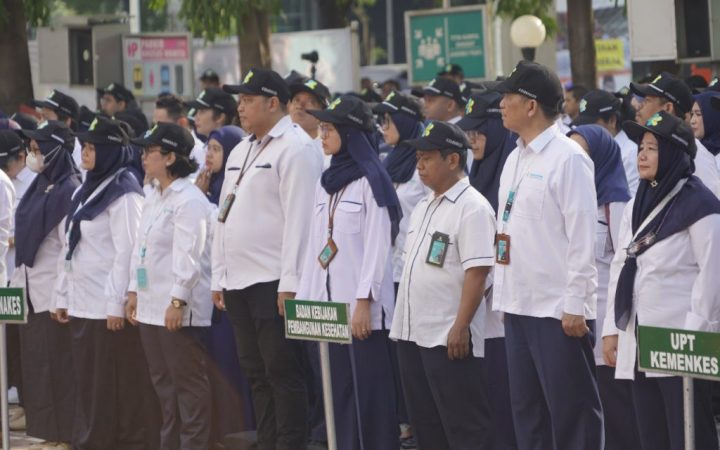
x,y
690,354
323,322
437,37
12,310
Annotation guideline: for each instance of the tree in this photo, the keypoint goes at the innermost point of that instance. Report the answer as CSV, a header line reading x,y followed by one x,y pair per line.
x,y
249,20
582,43
16,86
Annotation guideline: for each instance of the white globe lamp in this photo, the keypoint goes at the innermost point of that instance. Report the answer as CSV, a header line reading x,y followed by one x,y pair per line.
x,y
528,32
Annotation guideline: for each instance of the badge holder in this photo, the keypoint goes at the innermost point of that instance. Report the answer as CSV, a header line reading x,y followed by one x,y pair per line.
x,y
141,272
438,249
225,208
330,250
502,249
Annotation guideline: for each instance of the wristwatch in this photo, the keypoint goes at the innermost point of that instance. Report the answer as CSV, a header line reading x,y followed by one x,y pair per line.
x,y
179,304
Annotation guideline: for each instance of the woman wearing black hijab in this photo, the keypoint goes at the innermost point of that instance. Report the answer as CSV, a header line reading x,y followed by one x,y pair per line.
x,y
348,259
116,406
49,387
664,274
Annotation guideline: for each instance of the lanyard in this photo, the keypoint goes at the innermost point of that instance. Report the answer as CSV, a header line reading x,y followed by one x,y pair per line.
x,y
514,188
331,210
246,166
143,247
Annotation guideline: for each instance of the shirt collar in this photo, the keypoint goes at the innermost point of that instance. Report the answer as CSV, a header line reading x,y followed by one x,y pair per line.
x,y
455,119
541,140
278,130
25,174
454,192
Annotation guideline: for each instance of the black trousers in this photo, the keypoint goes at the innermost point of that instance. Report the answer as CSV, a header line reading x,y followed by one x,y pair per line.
x,y
177,368
14,360
116,408
621,431
272,364
446,400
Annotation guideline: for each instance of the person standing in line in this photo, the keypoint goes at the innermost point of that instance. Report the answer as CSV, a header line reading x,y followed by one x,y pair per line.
x,y
348,259
47,364
613,194
305,96
269,177
116,407
117,98
705,122
545,279
64,108
664,274
169,289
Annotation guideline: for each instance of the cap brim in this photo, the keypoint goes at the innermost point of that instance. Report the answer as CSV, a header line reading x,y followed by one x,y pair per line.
x,y
384,107
143,142
635,131
422,144
196,105
583,120
325,115
504,87
417,93
470,123
297,88
643,90
238,89
94,138
39,103
715,102
35,134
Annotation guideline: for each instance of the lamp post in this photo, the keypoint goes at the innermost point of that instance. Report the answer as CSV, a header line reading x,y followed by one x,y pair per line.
x,y
527,32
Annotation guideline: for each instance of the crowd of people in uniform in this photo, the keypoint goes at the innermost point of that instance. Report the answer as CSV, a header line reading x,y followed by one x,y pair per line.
x,y
497,243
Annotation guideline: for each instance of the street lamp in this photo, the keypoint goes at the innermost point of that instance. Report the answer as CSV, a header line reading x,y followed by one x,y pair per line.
x,y
528,33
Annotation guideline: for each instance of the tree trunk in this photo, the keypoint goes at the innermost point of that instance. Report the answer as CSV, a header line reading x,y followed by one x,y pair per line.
x,y
333,13
582,43
254,41
16,86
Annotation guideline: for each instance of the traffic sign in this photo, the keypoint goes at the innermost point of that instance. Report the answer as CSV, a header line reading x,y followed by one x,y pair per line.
x,y
12,306
317,321
438,37
679,352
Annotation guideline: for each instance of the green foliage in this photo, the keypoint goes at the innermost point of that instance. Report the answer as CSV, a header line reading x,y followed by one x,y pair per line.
x,y
512,9
37,12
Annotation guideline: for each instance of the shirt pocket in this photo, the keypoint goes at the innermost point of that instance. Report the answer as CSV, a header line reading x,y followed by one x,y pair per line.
x,y
348,217
530,198
451,254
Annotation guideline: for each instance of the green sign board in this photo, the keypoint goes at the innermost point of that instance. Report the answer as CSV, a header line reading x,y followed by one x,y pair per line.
x,y
438,37
12,306
679,352
317,321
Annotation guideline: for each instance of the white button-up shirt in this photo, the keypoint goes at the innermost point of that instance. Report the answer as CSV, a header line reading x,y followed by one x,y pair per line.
x,y
429,296
21,182
361,268
629,154
175,229
94,283
7,203
264,236
706,169
551,228
409,193
41,279
676,286
77,157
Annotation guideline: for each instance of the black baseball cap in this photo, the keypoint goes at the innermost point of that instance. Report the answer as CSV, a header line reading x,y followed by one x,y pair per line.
x,y
169,136
214,98
52,130
210,75
10,143
26,121
534,81
715,101
347,110
665,126
117,90
295,77
480,107
444,87
85,117
667,86
714,85
594,104
104,131
59,102
451,69
261,82
396,102
440,136
313,87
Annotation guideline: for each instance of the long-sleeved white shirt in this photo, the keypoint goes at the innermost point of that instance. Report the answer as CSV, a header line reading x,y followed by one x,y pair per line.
x,y
362,266
7,207
551,228
21,182
706,169
429,297
409,193
629,153
676,286
264,235
94,284
175,231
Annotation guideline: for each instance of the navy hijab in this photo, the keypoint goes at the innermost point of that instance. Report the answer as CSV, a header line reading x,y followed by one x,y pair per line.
x,y
711,122
228,136
610,179
401,160
46,201
485,173
111,160
358,158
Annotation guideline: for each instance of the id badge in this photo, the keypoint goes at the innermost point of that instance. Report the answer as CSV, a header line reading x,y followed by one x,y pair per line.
x,y
142,278
438,249
327,254
225,208
502,249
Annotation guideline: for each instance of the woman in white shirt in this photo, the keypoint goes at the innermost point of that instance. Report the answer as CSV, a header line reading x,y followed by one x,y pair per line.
x,y
355,221
49,387
170,287
664,274
613,194
115,406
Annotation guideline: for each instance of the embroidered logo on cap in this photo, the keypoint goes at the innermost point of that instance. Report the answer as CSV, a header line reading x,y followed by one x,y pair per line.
x,y
149,132
202,95
334,104
312,84
248,77
448,68
427,131
93,125
390,96
654,120
469,106
657,78
43,125
110,87
713,82
583,105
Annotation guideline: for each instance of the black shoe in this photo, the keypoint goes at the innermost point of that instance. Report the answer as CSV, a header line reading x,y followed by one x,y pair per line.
x,y
408,443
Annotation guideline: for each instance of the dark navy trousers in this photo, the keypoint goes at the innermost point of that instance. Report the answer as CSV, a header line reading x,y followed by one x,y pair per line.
x,y
553,390
621,431
497,386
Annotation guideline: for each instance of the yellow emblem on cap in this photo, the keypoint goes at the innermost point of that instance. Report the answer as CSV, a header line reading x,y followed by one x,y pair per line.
x,y
429,128
93,125
713,82
149,132
390,96
654,120
583,105
657,78
202,95
469,106
334,103
312,84
448,68
248,77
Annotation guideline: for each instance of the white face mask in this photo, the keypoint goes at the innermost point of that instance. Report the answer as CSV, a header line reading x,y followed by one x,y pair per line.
x,y
34,163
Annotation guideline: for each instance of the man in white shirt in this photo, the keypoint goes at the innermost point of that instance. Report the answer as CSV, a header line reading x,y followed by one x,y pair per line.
x,y
442,100
545,275
667,93
438,321
258,247
304,96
